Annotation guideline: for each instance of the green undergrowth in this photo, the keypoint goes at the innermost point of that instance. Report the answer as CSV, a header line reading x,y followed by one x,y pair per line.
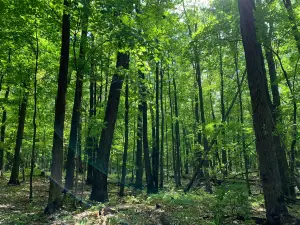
x,y
229,204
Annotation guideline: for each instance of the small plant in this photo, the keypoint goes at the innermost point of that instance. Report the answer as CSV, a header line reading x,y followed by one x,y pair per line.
x,y
231,201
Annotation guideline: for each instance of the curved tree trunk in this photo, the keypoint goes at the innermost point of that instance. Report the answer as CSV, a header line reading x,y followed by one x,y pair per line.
x,y
99,187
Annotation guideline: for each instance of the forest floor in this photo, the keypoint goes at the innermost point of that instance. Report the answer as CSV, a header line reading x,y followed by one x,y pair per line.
x,y
228,205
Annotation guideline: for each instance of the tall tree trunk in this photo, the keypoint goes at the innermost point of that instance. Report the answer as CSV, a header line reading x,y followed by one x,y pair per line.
x,y
167,143
246,159
14,177
224,153
155,153
139,143
149,178
34,118
55,197
187,151
90,141
4,115
178,177
262,117
133,150
276,113
2,132
69,183
172,130
161,161
99,187
126,119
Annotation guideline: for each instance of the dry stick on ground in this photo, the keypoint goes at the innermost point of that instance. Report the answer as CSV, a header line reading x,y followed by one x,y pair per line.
x,y
214,139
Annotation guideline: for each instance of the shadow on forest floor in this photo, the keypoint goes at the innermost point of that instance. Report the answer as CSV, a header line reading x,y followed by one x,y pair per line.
x,y
228,205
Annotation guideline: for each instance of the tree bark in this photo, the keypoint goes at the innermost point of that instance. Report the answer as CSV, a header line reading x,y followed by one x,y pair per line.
x,y
161,161
139,143
14,177
178,177
245,155
2,132
90,141
276,113
70,165
262,117
126,119
99,187
34,119
149,178
55,196
224,153
155,153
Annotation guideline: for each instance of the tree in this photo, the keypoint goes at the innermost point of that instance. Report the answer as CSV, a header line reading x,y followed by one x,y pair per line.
x,y
99,187
55,195
14,177
262,117
77,102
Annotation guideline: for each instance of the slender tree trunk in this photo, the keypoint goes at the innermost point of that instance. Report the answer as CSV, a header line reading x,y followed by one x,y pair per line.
x,y
55,196
172,130
149,178
177,152
224,153
2,132
262,117
139,146
155,153
167,143
126,119
4,115
77,104
246,160
14,177
90,141
34,118
187,151
133,151
276,113
161,161
99,187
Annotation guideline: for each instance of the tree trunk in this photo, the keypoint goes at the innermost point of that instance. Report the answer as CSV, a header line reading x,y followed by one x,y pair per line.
x,y
55,197
34,118
172,130
133,150
139,143
14,177
126,119
262,117
155,153
246,159
224,153
149,179
276,113
99,187
90,141
2,132
177,152
69,183
161,161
